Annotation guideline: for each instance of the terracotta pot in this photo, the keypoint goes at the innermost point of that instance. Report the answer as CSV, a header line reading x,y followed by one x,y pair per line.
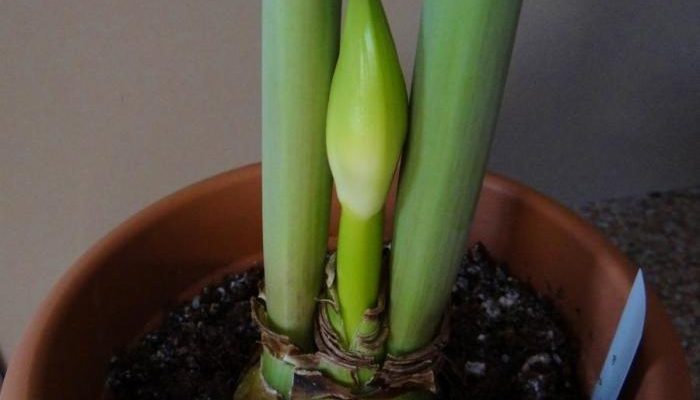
x,y
124,282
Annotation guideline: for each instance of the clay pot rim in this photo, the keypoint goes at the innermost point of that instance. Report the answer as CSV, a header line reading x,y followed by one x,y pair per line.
x,y
88,263
50,310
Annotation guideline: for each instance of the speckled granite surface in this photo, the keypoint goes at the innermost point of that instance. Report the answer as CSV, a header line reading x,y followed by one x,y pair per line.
x,y
661,232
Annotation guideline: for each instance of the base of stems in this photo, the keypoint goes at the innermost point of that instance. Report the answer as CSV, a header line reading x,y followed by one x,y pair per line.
x,y
336,372
253,386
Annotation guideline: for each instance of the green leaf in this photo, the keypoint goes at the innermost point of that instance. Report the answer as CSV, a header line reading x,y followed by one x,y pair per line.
x,y
300,41
461,65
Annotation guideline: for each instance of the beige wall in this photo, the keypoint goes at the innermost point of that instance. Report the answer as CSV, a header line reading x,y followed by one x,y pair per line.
x,y
105,106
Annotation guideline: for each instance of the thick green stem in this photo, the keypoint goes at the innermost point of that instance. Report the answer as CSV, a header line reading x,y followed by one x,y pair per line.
x,y
359,266
367,116
461,65
278,374
300,42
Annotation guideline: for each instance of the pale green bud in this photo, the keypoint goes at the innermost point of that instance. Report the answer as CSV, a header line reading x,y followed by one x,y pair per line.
x,y
367,110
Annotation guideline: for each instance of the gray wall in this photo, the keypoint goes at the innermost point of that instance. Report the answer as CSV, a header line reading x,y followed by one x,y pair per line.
x,y
105,106
603,98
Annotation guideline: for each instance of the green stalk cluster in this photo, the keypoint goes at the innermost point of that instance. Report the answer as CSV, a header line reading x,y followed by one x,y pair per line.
x,y
461,65
354,119
299,51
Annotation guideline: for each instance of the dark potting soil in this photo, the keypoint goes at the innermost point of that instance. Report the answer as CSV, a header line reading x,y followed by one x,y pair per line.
x,y
507,342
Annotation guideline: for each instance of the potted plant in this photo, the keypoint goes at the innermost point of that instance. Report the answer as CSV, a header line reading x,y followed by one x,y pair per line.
x,y
461,65
358,340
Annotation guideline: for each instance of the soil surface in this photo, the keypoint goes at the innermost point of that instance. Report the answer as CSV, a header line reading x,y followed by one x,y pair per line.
x,y
507,343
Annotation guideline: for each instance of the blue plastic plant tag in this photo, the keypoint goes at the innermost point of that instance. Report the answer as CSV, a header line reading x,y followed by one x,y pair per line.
x,y
624,345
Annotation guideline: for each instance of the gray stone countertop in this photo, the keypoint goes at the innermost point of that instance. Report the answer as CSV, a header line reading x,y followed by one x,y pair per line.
x,y
661,233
